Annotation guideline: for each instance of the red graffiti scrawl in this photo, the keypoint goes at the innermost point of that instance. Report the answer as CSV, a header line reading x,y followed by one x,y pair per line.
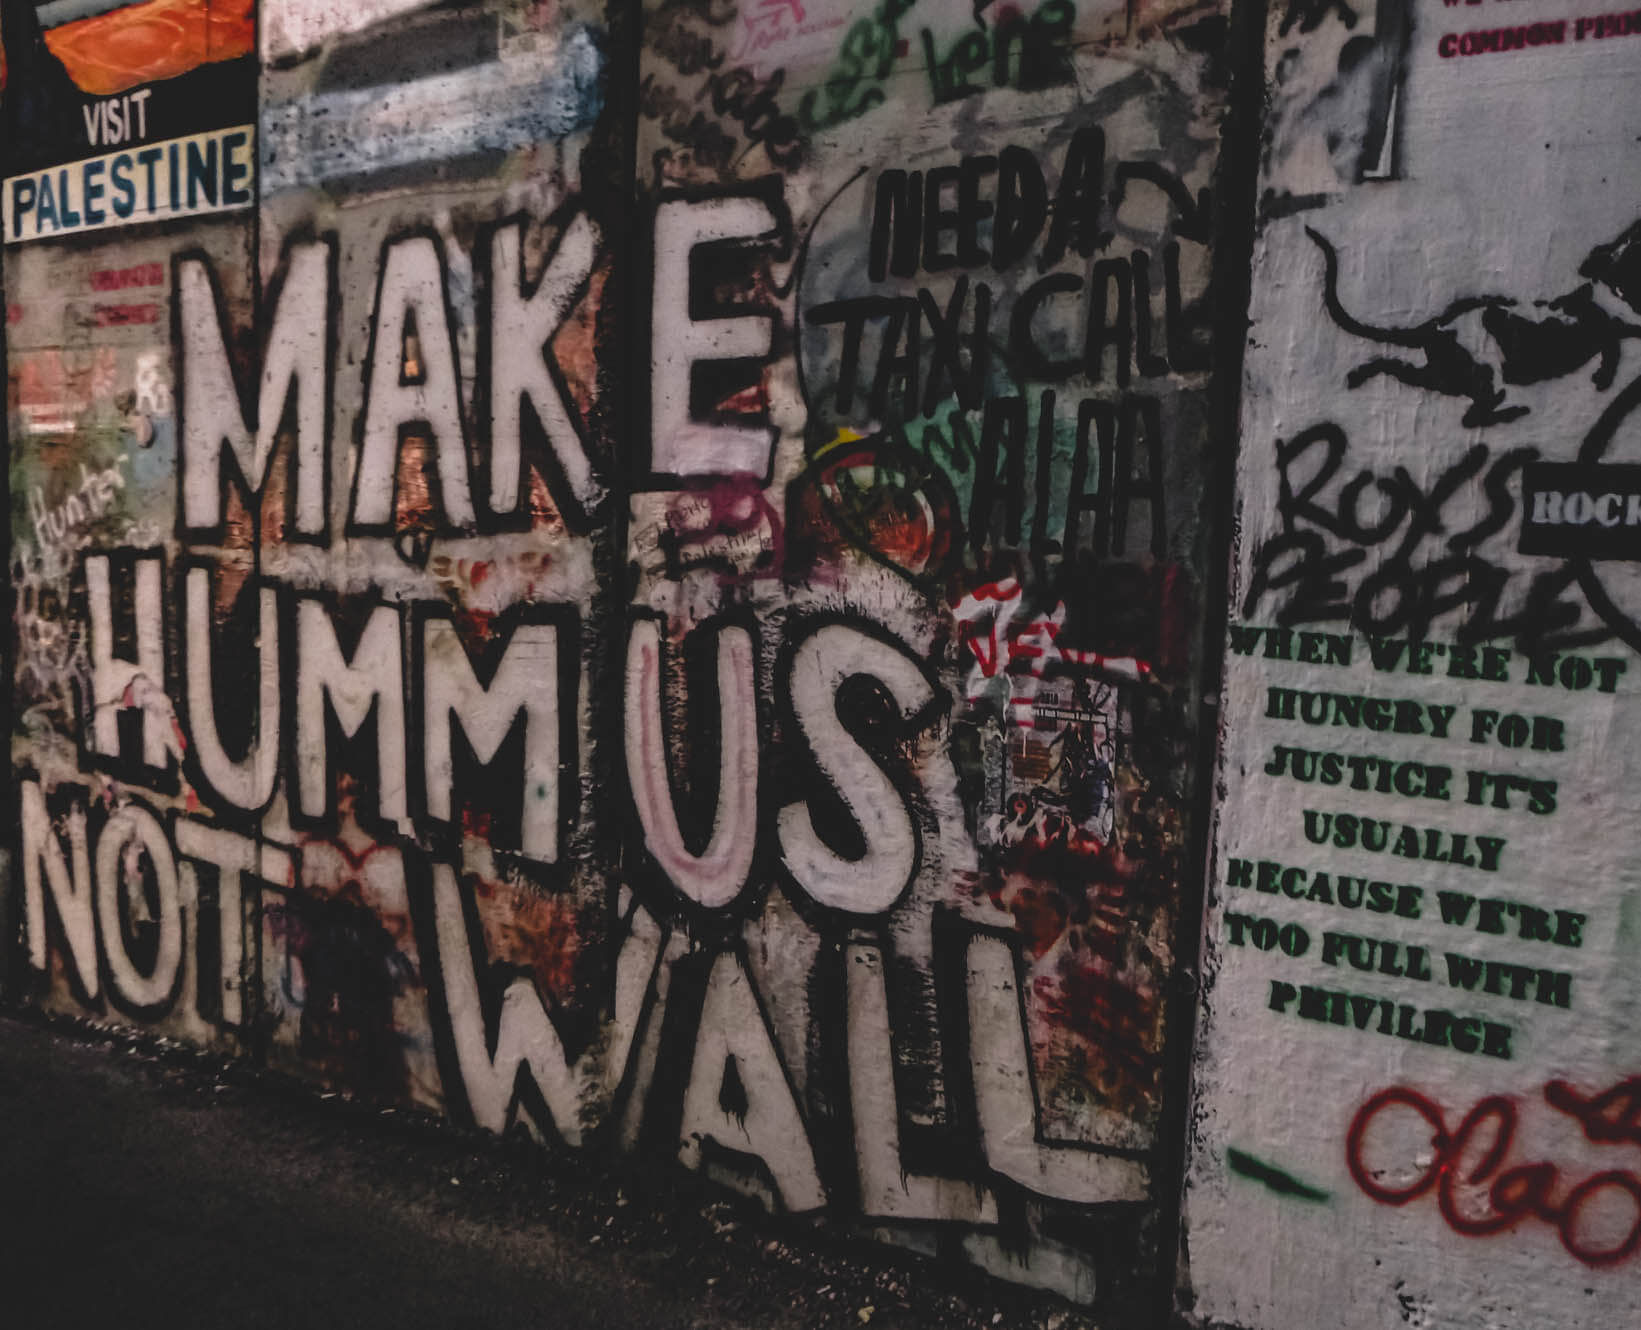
x,y
1478,1196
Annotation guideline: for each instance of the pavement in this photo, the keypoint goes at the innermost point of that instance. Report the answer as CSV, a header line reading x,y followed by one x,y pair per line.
x,y
142,1185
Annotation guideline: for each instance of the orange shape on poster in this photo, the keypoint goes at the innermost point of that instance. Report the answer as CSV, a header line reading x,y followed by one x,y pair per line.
x,y
154,40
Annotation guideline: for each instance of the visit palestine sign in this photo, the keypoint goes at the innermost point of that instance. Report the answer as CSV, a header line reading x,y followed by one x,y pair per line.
x,y
180,178
121,114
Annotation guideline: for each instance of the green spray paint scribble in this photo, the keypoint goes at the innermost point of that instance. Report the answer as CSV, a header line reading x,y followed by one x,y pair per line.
x,y
1283,1184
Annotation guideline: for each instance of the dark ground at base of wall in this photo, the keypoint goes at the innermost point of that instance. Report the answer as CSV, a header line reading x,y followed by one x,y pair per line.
x,y
142,1184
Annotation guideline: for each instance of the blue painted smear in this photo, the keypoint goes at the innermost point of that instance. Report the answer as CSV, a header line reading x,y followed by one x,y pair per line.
x,y
491,109
59,12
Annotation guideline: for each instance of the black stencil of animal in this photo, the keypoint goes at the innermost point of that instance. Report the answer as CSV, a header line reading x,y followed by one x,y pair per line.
x,y
1308,14
1480,345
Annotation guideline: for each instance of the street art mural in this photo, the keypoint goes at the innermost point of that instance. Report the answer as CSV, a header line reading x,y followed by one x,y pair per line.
x,y
130,133
1421,904
915,545
645,577
649,594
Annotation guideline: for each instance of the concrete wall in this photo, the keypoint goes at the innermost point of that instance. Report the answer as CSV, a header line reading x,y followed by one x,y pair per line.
x,y
652,577
1416,1079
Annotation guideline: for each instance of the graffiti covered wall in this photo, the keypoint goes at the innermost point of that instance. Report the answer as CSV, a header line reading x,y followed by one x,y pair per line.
x,y
645,576
917,558
130,135
636,576
1417,1069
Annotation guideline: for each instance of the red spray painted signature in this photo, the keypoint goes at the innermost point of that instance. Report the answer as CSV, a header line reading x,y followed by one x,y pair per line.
x,y
1467,1168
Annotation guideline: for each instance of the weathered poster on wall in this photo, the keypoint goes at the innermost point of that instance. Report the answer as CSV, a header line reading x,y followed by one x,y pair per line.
x,y
118,114
1418,1074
